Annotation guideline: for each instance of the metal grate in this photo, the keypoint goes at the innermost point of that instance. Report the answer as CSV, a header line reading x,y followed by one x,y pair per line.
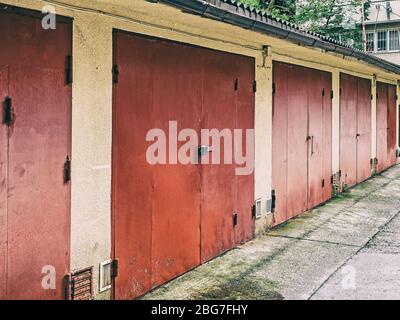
x,y
79,285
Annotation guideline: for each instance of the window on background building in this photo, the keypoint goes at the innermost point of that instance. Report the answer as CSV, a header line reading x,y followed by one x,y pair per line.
x,y
382,41
370,42
394,43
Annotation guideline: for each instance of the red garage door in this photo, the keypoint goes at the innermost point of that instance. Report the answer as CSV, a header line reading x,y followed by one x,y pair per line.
x,y
35,142
355,129
301,167
169,217
386,125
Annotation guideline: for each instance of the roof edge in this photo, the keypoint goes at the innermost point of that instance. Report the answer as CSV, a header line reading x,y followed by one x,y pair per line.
x,y
249,18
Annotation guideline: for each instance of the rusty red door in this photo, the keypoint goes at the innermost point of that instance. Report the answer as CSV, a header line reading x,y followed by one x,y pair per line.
x,y
290,142
381,125
386,125
280,140
301,167
3,183
363,135
38,144
177,96
348,129
244,193
392,125
156,209
297,143
170,216
218,177
319,137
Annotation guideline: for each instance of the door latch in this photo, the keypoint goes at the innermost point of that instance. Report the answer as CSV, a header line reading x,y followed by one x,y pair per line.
x,y
8,112
203,150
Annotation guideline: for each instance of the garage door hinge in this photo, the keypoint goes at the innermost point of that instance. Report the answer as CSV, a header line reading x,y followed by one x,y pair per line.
x,y
114,268
273,202
323,183
273,88
323,92
67,170
68,70
235,219
372,97
8,112
236,84
255,86
340,91
115,72
331,94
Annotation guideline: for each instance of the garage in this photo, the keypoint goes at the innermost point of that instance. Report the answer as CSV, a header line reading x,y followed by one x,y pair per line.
x,y
169,217
386,125
301,139
35,144
355,129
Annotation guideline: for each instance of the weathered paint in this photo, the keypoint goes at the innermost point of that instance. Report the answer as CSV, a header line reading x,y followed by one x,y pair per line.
x,y
302,134
245,112
392,128
3,183
386,124
363,135
355,129
38,143
169,218
92,101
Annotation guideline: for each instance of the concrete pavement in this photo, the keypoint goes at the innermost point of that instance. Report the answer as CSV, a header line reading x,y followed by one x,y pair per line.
x,y
347,249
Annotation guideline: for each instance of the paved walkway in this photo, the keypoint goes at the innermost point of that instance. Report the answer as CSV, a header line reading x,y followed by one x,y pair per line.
x,y
346,249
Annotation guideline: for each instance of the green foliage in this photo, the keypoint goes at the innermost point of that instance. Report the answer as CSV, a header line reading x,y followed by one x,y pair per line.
x,y
334,18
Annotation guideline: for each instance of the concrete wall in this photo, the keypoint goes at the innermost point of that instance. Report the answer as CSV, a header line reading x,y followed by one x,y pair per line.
x,y
92,101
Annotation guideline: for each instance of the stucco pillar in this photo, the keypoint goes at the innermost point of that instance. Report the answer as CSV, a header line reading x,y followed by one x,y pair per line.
x,y
263,139
336,121
91,144
373,120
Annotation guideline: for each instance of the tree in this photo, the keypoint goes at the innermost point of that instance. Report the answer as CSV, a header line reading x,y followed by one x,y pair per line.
x,y
333,18
284,9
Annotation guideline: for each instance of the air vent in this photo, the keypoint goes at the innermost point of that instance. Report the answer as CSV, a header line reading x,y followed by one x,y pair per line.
x,y
105,275
79,285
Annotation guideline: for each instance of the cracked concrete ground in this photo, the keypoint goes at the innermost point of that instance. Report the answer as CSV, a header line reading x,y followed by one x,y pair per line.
x,y
347,249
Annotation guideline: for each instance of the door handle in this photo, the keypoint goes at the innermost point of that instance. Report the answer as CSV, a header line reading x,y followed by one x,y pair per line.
x,y
203,150
358,135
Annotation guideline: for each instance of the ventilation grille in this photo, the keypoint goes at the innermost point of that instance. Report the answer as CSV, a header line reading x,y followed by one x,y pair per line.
x,y
79,285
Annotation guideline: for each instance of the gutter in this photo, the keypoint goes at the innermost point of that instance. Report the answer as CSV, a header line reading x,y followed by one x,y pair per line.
x,y
247,18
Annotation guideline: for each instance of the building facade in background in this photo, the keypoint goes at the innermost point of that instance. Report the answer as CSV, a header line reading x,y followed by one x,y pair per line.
x,y
383,27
